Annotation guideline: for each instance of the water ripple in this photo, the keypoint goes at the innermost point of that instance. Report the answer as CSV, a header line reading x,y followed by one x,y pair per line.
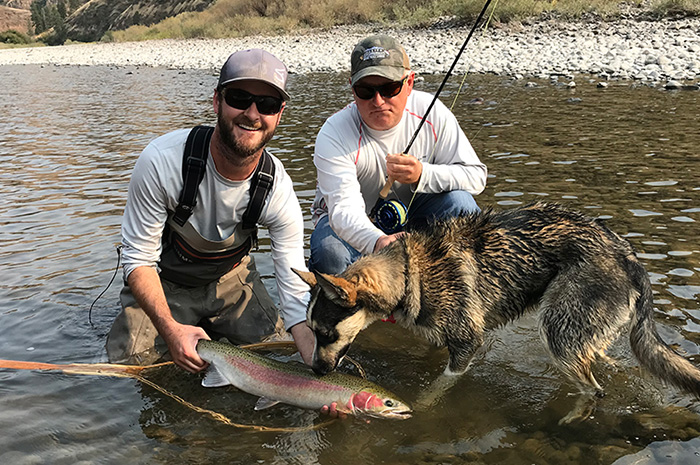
x,y
71,136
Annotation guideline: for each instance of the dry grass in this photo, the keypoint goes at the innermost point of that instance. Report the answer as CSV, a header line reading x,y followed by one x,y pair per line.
x,y
237,18
13,18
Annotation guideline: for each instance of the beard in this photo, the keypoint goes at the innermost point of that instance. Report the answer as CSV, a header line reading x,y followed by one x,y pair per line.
x,y
235,150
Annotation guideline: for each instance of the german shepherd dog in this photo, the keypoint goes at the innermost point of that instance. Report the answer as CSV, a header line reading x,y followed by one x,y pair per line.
x,y
470,274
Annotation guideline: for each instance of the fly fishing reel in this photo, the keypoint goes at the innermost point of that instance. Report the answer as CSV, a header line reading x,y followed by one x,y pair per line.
x,y
390,216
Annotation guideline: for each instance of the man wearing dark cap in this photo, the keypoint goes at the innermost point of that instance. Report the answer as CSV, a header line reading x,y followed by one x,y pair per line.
x,y
361,146
195,200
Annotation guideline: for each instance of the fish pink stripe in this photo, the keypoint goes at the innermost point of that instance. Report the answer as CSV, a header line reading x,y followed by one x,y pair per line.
x,y
281,379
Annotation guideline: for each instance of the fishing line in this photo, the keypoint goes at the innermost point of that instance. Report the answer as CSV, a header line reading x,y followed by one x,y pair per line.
x,y
457,94
447,76
224,419
375,213
136,372
116,270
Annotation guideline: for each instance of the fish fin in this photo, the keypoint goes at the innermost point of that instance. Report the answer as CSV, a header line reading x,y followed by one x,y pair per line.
x,y
214,378
264,403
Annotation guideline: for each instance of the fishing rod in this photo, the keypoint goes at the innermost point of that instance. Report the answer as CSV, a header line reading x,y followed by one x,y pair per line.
x,y
137,372
393,214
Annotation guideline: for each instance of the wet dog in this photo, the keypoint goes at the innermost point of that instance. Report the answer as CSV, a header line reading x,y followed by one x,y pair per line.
x,y
467,275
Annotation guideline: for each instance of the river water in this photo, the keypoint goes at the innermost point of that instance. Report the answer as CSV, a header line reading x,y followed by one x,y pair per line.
x,y
70,136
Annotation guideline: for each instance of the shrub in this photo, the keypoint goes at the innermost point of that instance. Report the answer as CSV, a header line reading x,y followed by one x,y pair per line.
x,y
12,36
664,8
57,36
107,37
236,18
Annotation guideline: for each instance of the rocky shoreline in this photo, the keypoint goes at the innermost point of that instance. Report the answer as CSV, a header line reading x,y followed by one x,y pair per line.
x,y
648,51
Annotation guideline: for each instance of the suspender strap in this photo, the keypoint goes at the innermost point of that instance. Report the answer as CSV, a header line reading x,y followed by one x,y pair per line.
x,y
260,186
194,165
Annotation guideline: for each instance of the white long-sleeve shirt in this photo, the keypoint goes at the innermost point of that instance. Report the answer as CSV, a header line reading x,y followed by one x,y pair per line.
x,y
350,160
155,189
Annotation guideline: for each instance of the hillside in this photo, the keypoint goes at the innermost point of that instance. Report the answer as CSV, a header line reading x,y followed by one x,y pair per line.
x,y
19,4
14,18
90,22
94,18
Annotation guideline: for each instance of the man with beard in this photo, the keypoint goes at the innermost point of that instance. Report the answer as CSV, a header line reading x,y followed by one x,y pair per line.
x,y
187,268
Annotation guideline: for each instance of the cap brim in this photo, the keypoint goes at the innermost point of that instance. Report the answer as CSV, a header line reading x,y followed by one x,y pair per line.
x,y
389,72
283,93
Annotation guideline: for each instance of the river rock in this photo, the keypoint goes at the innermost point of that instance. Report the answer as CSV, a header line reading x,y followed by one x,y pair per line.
x,y
625,49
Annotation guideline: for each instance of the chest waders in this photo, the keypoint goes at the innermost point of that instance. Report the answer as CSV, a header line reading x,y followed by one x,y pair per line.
x,y
188,259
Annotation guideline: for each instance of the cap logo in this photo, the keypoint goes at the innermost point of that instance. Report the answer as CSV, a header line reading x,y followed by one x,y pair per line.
x,y
375,53
280,74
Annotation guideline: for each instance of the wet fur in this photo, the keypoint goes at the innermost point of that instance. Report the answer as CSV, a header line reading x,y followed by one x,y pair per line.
x,y
468,275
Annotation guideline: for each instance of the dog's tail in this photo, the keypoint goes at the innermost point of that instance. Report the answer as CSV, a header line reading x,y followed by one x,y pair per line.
x,y
653,353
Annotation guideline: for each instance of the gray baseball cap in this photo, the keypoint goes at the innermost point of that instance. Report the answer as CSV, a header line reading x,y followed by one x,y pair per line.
x,y
255,65
378,55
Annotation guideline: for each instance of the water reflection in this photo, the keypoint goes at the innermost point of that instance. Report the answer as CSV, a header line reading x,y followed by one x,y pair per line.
x,y
70,139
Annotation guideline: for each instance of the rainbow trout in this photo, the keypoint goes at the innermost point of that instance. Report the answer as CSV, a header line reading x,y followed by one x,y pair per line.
x,y
293,384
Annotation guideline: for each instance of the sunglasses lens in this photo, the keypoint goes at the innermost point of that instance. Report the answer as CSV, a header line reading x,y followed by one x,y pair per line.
x,y
388,90
268,105
241,100
364,92
238,99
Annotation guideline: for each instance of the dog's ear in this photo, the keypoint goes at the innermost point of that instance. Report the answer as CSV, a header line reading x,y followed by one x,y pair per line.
x,y
340,291
367,283
306,276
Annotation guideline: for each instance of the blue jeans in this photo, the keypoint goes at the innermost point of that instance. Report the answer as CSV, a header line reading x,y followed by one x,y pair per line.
x,y
330,254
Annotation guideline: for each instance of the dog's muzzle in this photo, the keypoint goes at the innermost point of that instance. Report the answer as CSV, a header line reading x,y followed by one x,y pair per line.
x,y
321,367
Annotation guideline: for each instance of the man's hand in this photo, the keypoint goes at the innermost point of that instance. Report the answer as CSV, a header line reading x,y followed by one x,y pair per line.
x,y
181,339
182,344
333,411
403,168
305,341
383,241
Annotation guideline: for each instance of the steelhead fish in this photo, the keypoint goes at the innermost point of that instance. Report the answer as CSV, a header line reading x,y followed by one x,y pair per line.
x,y
293,384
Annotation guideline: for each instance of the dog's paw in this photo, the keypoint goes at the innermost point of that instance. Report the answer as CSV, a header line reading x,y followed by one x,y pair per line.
x,y
432,394
583,409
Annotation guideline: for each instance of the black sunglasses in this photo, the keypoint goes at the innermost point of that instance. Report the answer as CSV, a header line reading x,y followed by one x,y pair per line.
x,y
388,90
241,100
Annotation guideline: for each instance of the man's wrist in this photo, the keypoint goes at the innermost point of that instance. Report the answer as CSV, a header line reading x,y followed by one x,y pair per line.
x,y
380,243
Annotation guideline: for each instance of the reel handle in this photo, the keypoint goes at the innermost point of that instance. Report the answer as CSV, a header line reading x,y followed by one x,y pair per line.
x,y
387,187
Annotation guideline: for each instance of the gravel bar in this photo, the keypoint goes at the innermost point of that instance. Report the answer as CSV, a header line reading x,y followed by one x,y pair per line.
x,y
650,51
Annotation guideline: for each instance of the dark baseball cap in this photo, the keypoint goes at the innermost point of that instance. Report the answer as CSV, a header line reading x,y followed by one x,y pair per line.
x,y
378,55
255,65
